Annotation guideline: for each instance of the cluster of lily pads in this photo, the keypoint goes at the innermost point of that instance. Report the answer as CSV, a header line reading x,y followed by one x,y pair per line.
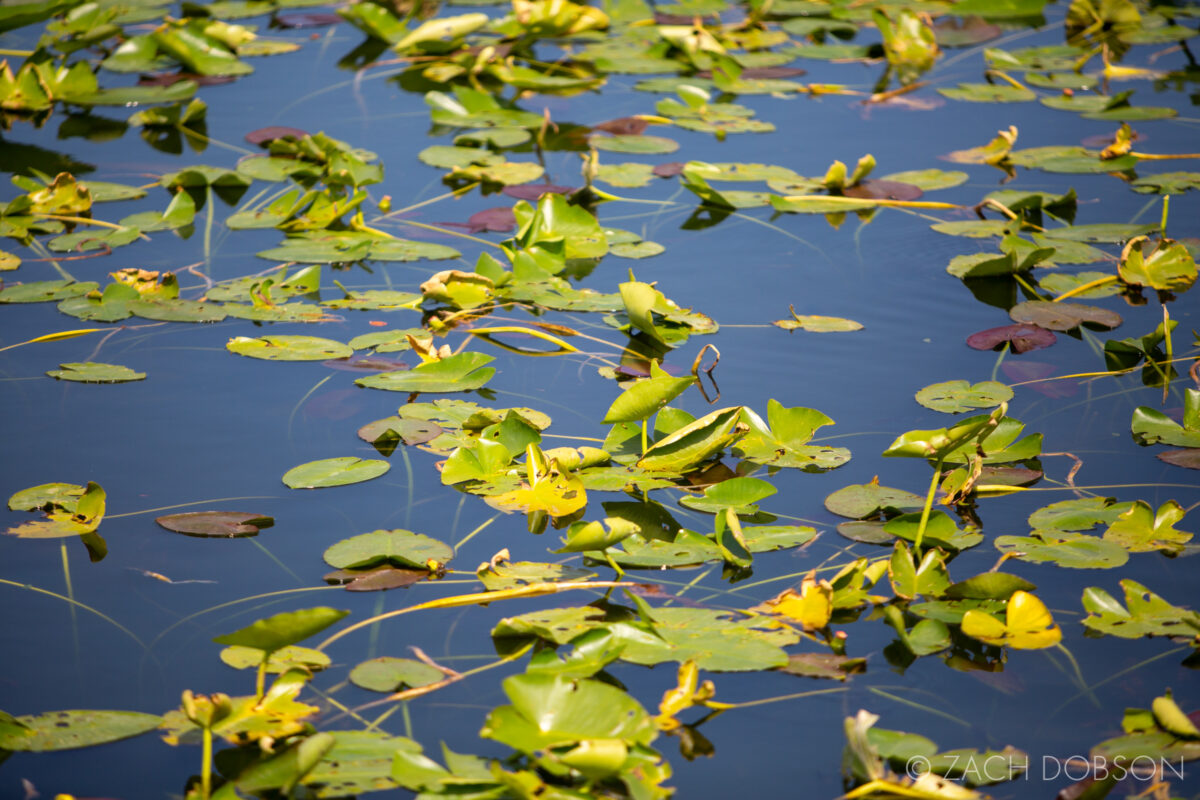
x,y
571,730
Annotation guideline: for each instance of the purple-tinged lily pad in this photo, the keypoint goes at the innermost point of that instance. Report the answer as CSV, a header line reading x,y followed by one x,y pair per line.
x,y
884,190
263,136
534,191
669,170
377,579
227,524
1021,338
622,126
309,19
1062,316
1188,458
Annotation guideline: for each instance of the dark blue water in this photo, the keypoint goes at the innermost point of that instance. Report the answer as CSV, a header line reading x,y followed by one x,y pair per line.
x,y
217,431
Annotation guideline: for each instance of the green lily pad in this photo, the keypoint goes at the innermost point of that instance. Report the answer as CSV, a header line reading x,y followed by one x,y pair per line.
x,y
279,662
92,372
954,397
334,472
389,674
862,500
634,143
510,575
1144,614
289,348
63,495
628,175
1070,550
989,93
457,373
45,291
400,548
68,730
280,630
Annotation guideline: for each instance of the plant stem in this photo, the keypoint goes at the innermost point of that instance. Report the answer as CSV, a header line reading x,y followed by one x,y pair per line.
x,y
206,765
260,679
937,473
1162,226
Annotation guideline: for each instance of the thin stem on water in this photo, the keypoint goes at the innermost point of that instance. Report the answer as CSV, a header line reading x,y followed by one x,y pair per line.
x,y
928,508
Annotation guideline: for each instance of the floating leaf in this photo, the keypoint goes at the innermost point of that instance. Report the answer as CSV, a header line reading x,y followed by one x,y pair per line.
x,y
389,675
1062,316
824,665
1022,338
278,631
635,143
1027,625
279,662
228,524
457,373
859,501
289,348
91,372
1070,550
398,547
1142,530
334,472
68,730
954,397
1144,614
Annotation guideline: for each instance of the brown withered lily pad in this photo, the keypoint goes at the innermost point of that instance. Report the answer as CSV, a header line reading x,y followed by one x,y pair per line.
x,y
226,524
1062,316
309,19
533,192
402,429
1021,338
823,665
376,580
367,363
266,135
172,78
623,126
762,73
495,220
1189,458
668,170
884,190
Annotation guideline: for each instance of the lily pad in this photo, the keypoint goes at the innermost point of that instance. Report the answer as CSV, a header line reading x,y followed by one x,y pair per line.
x,y
1021,338
389,674
635,143
954,397
1062,316
329,472
1070,550
228,524
457,373
859,501
92,372
398,547
280,630
289,348
68,730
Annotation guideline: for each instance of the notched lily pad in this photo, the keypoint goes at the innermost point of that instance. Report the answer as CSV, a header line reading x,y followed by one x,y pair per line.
x,y
329,472
228,524
954,397
1021,338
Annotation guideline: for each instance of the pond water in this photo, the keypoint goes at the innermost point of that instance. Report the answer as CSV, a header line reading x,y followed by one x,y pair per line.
x,y
132,627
